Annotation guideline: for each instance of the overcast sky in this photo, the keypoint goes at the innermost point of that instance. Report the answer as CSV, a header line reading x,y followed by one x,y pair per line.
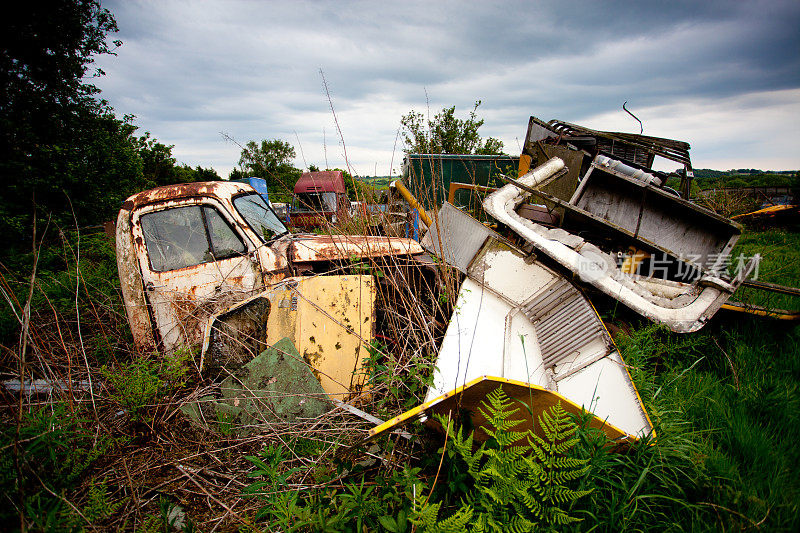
x,y
723,76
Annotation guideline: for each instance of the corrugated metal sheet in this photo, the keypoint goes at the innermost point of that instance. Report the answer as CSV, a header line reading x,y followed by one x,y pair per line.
x,y
564,321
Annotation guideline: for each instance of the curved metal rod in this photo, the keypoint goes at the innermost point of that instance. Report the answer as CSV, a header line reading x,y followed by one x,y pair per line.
x,y
641,126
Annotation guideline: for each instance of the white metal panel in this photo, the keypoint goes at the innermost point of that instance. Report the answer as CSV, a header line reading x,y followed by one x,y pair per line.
x,y
605,389
493,331
504,270
474,344
455,237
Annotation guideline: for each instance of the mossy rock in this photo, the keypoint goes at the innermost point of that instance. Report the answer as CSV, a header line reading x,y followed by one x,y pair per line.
x,y
275,386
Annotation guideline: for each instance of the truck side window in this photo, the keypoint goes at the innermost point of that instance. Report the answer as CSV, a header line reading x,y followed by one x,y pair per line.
x,y
259,216
225,242
177,238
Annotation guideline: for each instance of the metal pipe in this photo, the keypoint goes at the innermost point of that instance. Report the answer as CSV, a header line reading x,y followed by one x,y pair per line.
x,y
690,317
405,193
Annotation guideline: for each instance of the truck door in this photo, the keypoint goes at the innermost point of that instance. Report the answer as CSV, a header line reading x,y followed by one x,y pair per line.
x,y
197,262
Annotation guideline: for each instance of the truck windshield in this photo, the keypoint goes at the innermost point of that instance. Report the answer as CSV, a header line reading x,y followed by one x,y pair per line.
x,y
313,201
259,216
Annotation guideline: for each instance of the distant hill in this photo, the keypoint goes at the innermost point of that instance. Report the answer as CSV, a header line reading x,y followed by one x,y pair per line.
x,y
705,178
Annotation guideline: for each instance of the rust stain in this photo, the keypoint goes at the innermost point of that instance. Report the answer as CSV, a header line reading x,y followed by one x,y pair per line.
x,y
341,247
220,190
237,281
311,358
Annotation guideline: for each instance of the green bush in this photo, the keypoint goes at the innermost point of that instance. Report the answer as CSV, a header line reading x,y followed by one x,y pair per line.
x,y
136,385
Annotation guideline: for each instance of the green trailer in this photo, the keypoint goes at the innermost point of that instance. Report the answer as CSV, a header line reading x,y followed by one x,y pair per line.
x,y
429,176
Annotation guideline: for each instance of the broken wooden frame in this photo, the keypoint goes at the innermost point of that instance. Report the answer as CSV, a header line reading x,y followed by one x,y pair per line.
x,y
578,146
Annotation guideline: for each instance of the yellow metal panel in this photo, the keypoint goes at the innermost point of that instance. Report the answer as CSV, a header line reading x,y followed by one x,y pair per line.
x,y
771,210
524,164
633,260
778,314
330,319
467,398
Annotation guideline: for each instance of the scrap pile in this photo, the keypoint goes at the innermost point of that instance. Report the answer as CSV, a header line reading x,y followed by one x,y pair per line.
x,y
285,321
602,217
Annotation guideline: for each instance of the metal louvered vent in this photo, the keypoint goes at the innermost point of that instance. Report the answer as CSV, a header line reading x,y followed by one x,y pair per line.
x,y
564,321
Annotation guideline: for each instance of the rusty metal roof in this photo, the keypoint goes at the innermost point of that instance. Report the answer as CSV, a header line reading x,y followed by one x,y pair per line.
x,y
323,181
218,189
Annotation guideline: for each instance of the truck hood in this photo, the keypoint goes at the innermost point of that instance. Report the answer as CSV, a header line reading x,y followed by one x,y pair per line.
x,y
303,248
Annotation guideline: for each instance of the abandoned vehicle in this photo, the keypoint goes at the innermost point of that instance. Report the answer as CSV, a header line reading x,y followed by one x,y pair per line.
x,y
319,197
209,266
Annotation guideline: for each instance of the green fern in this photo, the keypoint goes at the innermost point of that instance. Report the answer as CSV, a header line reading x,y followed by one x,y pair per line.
x,y
516,486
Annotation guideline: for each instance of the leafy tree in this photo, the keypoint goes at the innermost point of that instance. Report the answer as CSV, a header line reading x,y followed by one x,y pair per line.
x,y
62,151
271,160
159,167
446,134
267,157
185,174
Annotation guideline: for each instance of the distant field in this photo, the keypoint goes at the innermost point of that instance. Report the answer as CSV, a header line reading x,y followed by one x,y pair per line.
x,y
379,182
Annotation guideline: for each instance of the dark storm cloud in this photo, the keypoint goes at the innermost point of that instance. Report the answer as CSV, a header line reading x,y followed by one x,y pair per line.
x,y
191,70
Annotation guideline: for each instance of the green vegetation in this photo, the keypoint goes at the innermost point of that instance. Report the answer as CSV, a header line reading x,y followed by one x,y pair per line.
x,y
446,134
378,182
272,161
724,405
519,478
709,179
135,385
506,484
397,387
779,265
65,159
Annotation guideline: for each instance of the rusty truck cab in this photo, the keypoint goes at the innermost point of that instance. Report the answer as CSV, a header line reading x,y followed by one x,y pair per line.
x,y
188,252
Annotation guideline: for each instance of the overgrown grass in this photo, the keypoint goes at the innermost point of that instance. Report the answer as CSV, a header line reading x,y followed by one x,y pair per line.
x,y
779,250
725,404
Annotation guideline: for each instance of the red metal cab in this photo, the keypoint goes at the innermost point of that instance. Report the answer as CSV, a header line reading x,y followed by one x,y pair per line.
x,y
319,197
